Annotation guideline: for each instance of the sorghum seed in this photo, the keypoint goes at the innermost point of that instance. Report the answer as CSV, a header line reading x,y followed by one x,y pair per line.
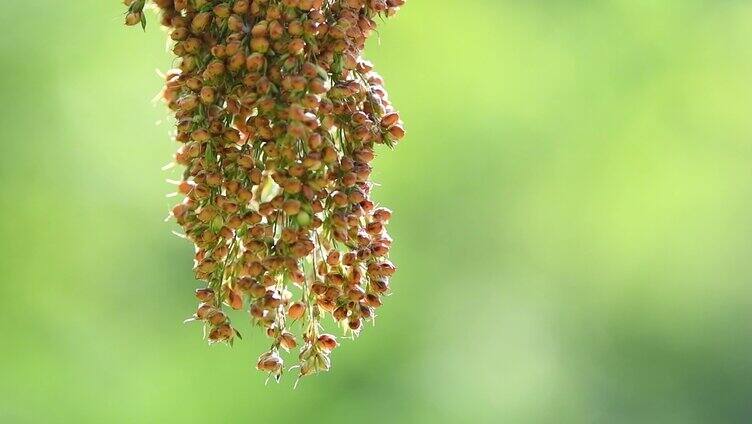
x,y
234,299
354,323
287,340
133,18
205,295
203,311
328,341
217,318
296,311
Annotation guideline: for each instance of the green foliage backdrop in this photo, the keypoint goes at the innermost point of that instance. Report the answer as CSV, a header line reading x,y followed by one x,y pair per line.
x,y
572,223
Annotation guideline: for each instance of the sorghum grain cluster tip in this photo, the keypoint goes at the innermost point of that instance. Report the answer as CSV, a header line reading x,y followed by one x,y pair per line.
x,y
277,116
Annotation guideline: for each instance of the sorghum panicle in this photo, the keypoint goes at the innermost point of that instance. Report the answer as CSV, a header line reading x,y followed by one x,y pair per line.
x,y
278,115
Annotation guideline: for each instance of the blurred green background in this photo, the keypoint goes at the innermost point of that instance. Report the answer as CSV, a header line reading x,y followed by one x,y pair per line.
x,y
573,206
